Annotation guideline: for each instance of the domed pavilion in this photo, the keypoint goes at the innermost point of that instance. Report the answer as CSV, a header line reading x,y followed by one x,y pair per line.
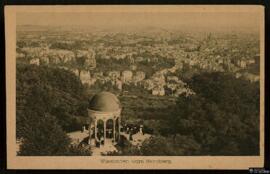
x,y
104,111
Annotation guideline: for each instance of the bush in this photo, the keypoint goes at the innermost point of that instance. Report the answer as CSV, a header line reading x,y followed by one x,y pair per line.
x,y
158,146
79,151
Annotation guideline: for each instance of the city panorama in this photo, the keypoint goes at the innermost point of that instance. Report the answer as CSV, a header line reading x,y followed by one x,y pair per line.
x,y
137,85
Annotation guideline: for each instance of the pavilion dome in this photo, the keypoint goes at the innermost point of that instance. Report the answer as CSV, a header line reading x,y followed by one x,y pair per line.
x,y
104,102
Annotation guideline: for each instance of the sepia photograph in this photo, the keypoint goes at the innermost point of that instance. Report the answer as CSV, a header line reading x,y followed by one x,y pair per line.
x,y
156,84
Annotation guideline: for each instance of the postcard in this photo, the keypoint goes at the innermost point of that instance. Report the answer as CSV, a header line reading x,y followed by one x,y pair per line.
x,y
135,86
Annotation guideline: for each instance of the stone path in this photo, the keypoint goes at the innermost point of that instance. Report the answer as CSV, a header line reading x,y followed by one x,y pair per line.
x,y
78,136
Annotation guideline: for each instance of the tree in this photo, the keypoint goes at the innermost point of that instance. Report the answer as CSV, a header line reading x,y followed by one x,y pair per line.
x,y
43,136
49,90
49,104
223,116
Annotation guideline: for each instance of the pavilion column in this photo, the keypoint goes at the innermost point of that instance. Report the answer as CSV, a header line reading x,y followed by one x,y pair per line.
x,y
90,133
104,121
95,129
114,129
119,127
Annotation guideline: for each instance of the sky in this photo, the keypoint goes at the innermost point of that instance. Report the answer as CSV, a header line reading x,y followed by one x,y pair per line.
x,y
168,20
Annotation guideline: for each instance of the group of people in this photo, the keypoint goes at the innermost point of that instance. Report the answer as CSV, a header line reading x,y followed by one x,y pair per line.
x,y
132,129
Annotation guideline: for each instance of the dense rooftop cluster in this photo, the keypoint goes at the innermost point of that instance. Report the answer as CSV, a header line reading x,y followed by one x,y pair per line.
x,y
154,63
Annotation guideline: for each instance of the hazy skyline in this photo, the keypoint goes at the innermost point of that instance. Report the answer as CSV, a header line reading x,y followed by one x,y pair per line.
x,y
126,20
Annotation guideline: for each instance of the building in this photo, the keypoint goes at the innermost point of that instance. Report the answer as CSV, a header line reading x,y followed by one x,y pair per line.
x,y
251,61
119,84
44,60
139,59
251,77
172,86
75,71
133,67
114,75
159,79
127,76
20,55
85,77
139,76
98,75
104,111
172,78
148,84
242,63
34,61
158,91
238,75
